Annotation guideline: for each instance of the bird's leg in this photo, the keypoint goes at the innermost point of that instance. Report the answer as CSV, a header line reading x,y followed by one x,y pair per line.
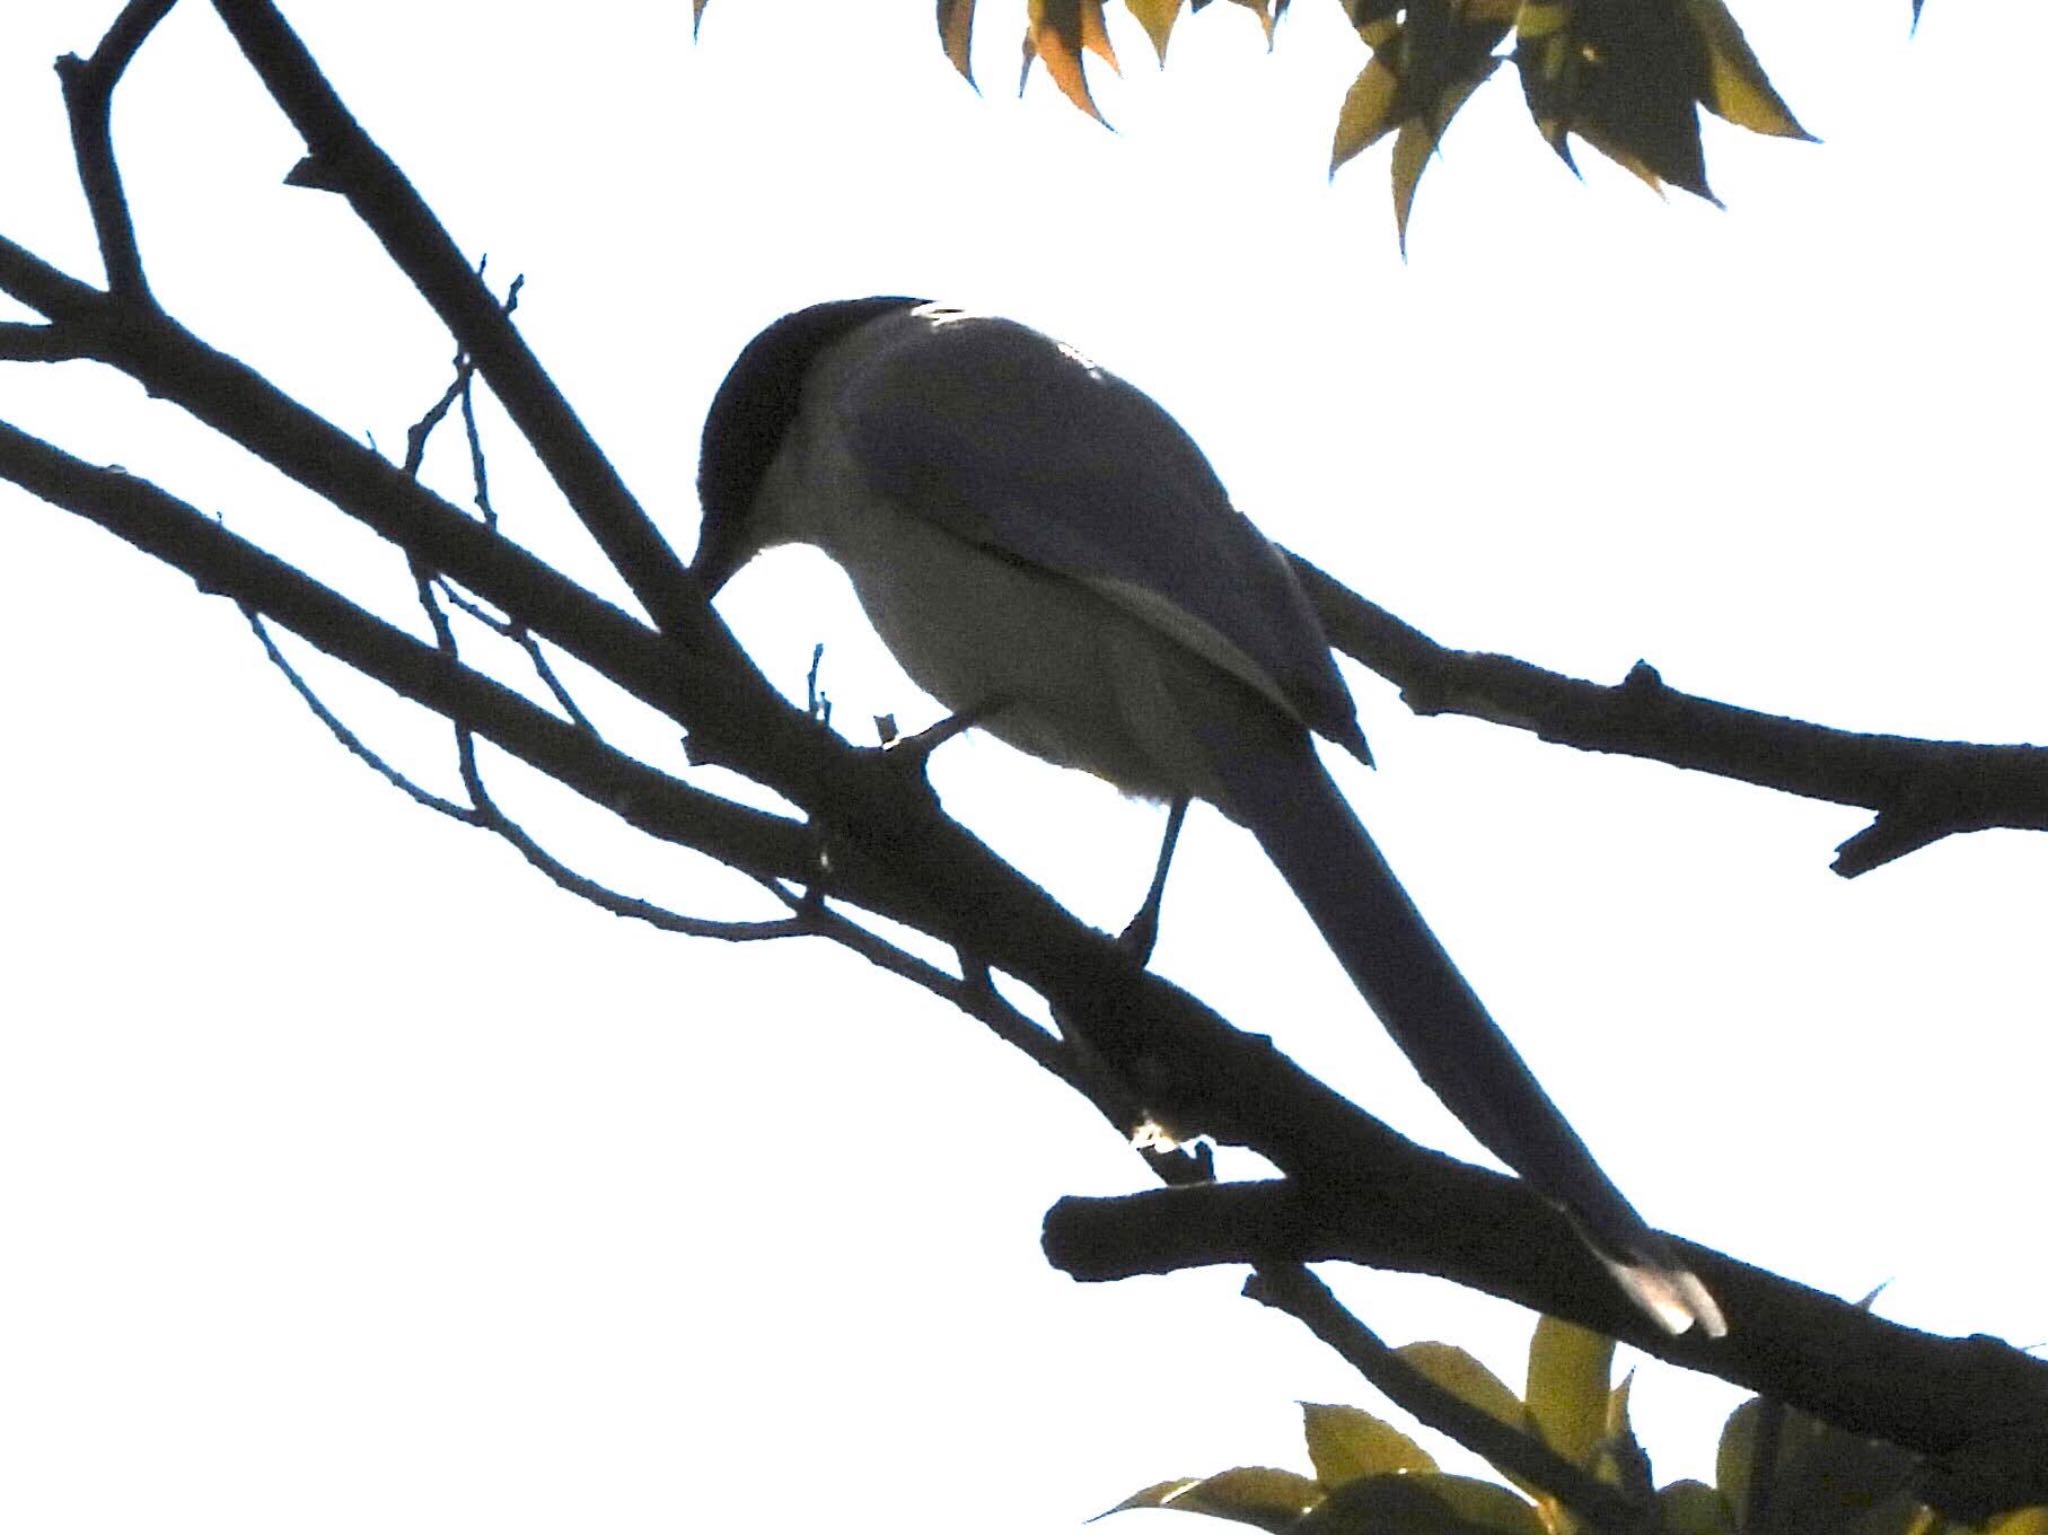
x,y
1143,929
915,750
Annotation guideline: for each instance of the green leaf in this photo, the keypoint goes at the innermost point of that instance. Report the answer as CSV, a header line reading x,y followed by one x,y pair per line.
x,y
1423,1504
1694,1508
1256,1495
1569,1368
1466,1379
1345,1444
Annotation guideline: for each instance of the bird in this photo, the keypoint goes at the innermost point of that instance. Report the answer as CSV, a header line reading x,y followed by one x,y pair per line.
x,y
1050,556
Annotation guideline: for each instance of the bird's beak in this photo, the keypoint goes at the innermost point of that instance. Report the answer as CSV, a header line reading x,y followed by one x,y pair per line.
x,y
718,558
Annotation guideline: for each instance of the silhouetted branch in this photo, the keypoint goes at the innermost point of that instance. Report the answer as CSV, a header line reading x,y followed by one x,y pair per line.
x,y
1967,1404
1922,791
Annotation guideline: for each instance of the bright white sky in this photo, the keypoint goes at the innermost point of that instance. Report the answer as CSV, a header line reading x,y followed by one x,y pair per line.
x,y
354,1178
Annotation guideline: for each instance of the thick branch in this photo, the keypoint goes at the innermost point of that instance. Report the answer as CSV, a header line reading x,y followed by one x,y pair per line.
x,y
177,534
1954,1400
1921,790
344,159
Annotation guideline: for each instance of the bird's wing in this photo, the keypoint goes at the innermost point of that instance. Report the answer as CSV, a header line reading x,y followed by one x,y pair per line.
x,y
1022,446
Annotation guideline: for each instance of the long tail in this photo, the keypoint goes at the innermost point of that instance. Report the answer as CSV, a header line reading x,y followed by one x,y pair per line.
x,y
1284,795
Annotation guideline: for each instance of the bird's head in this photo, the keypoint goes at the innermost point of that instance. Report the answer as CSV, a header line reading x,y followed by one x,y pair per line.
x,y
749,418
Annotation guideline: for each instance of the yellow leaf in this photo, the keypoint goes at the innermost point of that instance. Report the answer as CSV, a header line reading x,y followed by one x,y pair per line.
x,y
1345,1443
2020,1521
1157,18
1736,87
1569,1368
1617,1407
956,29
1366,114
1694,1508
1255,1495
1423,1504
1417,144
1466,1379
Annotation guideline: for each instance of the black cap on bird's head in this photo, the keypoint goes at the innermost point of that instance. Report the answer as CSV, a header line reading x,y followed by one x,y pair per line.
x,y
749,416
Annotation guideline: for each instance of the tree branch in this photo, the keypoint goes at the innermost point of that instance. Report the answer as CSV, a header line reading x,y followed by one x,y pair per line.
x,y
1960,1402
88,100
1922,791
344,159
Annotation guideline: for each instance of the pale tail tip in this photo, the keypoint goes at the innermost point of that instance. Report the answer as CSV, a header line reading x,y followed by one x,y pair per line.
x,y
1673,1297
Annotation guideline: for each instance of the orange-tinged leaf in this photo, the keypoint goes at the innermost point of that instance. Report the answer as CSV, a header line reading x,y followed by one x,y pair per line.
x,y
1157,18
1267,12
1422,1504
1345,1443
1367,113
1737,89
1059,32
956,32
1694,1508
1569,1369
1466,1379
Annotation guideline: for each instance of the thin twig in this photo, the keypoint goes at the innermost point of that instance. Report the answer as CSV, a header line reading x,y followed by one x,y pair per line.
x,y
352,743
1298,1292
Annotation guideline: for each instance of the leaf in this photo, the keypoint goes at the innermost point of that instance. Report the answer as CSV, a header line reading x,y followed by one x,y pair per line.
x,y
1158,1495
1345,1443
1625,76
1735,1458
1268,13
1256,1495
1423,1504
1157,18
1736,88
1466,1379
1060,32
956,31
1694,1508
1367,113
1622,1461
697,17
1425,66
1416,146
1569,1368
2020,1521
